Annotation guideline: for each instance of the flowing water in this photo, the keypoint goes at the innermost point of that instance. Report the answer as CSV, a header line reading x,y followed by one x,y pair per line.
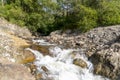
x,y
60,65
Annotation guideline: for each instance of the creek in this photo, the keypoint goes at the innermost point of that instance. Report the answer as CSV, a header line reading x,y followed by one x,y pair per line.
x,y
59,64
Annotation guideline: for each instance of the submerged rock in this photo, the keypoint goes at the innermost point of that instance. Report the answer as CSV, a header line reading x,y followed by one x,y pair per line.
x,y
44,69
38,77
40,48
26,57
80,62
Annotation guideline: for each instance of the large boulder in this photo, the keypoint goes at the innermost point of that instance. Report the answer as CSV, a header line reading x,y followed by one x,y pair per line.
x,y
107,61
12,43
104,51
101,46
105,54
14,72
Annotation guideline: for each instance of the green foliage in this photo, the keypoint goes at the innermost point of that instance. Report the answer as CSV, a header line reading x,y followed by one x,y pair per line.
x,y
2,12
87,18
39,22
45,16
109,14
33,20
16,16
30,13
12,14
81,17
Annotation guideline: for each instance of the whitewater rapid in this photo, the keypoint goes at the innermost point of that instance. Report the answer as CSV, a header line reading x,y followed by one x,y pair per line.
x,y
60,66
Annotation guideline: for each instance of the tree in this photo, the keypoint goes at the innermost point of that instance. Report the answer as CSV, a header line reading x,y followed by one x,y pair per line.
x,y
2,2
45,16
109,13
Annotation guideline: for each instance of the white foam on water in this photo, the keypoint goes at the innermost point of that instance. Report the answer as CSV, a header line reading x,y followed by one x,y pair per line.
x,y
60,66
42,42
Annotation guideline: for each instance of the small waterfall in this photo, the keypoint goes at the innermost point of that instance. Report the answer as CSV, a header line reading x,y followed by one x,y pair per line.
x,y
60,66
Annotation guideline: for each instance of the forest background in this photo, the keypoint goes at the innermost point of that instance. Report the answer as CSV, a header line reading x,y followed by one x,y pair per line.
x,y
45,16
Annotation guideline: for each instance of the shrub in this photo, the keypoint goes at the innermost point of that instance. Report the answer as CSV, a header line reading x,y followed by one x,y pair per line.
x,y
34,21
37,22
83,18
109,13
16,16
13,14
88,18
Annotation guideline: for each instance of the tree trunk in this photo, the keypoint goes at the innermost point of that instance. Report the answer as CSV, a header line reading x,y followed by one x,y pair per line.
x,y
2,1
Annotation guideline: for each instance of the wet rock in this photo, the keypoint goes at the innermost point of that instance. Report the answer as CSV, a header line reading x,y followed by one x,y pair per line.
x,y
34,71
14,72
43,49
33,68
38,76
26,57
106,63
97,68
80,62
60,42
44,69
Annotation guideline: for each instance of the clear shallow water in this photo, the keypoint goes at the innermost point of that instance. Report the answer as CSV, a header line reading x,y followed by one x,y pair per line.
x,y
60,66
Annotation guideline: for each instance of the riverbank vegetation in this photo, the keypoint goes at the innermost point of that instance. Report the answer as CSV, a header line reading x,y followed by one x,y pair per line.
x,y
44,16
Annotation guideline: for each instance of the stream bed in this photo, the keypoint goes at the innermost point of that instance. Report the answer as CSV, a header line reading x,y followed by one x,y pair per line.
x,y
59,65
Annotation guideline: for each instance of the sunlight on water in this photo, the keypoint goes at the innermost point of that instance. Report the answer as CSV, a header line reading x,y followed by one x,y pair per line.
x,y
60,66
42,42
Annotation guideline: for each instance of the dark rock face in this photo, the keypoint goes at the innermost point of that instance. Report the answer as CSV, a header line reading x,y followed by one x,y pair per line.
x,y
101,46
106,57
109,60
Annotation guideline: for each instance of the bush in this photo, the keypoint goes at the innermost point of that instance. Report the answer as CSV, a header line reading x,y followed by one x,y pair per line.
x,y
83,18
88,18
3,11
34,21
37,22
14,15
109,13
44,16
17,16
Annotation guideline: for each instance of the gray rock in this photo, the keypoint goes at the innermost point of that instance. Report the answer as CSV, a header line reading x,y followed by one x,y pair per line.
x,y
14,72
101,45
109,62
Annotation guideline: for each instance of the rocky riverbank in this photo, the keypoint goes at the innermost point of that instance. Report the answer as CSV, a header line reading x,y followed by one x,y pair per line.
x,y
101,45
12,53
